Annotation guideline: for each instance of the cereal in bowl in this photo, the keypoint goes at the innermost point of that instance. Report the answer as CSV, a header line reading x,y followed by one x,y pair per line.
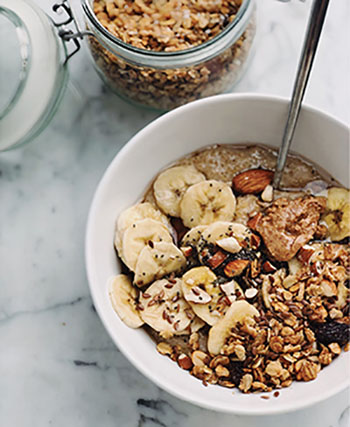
x,y
242,285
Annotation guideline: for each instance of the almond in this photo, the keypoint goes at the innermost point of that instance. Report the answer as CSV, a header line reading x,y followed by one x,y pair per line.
x,y
268,267
187,251
184,362
253,221
304,254
253,181
255,241
217,259
254,268
236,267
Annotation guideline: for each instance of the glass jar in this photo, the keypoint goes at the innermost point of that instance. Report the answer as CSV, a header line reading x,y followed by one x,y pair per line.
x,y
33,76
165,80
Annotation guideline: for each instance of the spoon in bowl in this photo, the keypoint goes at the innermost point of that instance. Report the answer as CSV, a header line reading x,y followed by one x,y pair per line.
x,y
314,28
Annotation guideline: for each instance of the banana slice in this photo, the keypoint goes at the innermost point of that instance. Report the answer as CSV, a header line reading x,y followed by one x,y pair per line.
x,y
123,298
240,311
230,234
206,202
171,185
140,234
134,214
164,308
338,219
193,236
156,261
205,296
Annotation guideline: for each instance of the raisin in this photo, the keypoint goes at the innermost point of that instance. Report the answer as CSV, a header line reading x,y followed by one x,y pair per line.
x,y
236,372
329,332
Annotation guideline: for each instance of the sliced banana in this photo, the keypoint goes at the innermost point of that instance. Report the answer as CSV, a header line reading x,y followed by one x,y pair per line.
x,y
207,202
240,311
134,214
205,297
171,185
338,219
220,231
193,236
140,234
123,298
165,309
156,261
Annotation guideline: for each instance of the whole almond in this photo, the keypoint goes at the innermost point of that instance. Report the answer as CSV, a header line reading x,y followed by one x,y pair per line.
x,y
253,181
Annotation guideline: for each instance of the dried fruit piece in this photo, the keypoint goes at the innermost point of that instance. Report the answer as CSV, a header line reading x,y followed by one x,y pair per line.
x,y
252,181
236,372
327,333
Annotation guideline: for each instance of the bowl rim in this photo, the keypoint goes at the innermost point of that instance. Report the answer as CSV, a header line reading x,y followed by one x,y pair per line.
x,y
134,140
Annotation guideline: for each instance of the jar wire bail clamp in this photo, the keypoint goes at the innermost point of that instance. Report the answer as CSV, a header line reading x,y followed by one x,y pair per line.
x,y
68,34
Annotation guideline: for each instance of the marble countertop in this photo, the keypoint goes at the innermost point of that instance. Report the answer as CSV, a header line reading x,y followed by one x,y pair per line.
x,y
58,366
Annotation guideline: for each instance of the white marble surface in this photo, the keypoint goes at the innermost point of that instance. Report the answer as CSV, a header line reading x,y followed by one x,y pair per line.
x,y
58,367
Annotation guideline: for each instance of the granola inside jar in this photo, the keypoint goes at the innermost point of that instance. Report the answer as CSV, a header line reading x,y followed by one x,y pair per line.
x,y
163,54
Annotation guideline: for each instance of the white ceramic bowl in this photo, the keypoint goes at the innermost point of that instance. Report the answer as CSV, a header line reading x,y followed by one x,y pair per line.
x,y
221,119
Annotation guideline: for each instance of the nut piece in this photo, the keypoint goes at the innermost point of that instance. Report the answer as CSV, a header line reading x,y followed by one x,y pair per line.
x,y
253,181
251,293
217,259
246,383
164,349
184,362
236,267
187,251
199,358
267,194
229,244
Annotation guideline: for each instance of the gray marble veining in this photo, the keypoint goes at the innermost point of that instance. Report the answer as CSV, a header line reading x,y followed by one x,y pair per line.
x,y
58,367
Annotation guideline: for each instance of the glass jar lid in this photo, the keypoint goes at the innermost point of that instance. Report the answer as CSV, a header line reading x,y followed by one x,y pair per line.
x,y
32,71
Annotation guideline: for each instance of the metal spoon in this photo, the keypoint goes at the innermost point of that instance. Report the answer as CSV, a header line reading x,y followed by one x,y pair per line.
x,y
314,28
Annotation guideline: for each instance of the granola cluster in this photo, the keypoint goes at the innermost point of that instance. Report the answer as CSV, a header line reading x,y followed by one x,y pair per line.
x,y
303,325
167,26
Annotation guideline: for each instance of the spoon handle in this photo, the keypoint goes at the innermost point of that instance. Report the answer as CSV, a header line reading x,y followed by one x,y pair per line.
x,y
315,24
